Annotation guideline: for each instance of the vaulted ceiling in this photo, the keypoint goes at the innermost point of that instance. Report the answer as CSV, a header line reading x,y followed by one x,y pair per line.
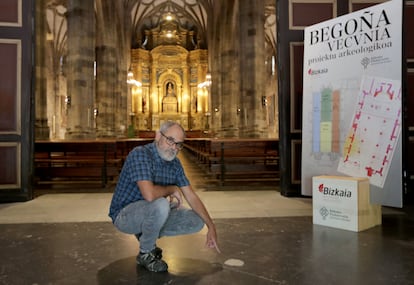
x,y
191,14
147,14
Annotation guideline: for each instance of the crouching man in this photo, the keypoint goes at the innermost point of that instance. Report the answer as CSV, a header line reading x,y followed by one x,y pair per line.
x,y
148,197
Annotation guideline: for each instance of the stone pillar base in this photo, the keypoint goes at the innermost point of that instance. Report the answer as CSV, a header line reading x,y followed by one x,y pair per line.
x,y
42,130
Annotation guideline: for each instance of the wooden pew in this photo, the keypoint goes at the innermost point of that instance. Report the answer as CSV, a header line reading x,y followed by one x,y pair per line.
x,y
80,160
124,146
199,147
237,159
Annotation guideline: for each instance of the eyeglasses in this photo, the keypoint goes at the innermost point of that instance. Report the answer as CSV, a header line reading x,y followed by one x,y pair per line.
x,y
172,142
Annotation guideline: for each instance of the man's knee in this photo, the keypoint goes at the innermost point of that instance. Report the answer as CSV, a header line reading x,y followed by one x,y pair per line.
x,y
161,207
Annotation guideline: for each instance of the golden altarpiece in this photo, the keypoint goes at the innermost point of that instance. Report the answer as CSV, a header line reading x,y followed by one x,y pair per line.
x,y
167,71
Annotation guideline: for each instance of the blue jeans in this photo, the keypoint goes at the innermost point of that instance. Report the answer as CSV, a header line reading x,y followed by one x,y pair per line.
x,y
149,221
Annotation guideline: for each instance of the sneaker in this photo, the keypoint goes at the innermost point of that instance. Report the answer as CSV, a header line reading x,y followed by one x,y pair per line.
x,y
157,252
151,262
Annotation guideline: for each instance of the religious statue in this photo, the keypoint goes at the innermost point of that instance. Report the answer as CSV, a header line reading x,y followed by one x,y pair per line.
x,y
170,89
169,102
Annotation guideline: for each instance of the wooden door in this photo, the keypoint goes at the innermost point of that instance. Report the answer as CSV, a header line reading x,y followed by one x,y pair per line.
x,y
16,139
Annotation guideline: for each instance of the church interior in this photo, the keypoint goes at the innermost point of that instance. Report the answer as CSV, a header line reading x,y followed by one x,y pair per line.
x,y
105,75
102,74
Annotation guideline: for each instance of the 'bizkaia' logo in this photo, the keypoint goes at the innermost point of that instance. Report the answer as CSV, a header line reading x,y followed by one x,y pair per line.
x,y
317,71
334,191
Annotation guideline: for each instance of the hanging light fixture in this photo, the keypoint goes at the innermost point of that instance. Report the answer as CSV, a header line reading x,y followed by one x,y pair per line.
x,y
208,78
131,80
169,17
206,83
130,76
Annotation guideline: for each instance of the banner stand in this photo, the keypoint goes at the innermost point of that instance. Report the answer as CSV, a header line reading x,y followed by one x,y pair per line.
x,y
344,202
352,100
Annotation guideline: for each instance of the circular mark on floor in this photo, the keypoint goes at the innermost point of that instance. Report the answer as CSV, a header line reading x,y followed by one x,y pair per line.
x,y
180,271
234,262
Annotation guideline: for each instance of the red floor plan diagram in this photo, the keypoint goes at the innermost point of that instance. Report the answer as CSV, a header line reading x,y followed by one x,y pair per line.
x,y
374,130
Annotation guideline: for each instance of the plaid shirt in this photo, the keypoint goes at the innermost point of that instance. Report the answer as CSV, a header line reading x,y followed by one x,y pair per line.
x,y
144,163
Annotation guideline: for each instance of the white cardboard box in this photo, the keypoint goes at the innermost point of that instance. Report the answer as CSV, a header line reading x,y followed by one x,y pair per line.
x,y
343,202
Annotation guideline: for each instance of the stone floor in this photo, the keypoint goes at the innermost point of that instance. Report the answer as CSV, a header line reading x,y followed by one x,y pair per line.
x,y
265,238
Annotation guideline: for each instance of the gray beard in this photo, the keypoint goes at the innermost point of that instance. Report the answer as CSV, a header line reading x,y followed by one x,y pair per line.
x,y
167,155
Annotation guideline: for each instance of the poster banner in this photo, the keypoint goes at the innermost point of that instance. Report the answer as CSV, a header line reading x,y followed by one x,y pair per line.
x,y
352,100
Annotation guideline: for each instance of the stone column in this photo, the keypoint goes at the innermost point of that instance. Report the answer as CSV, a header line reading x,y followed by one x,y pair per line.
x,y
226,70
80,60
41,127
123,28
238,73
106,71
252,114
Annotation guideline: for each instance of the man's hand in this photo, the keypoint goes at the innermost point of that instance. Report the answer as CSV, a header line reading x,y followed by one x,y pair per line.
x,y
212,239
178,196
197,205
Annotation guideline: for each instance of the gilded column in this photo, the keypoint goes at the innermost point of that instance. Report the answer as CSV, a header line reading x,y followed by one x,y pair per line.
x,y
154,90
185,101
